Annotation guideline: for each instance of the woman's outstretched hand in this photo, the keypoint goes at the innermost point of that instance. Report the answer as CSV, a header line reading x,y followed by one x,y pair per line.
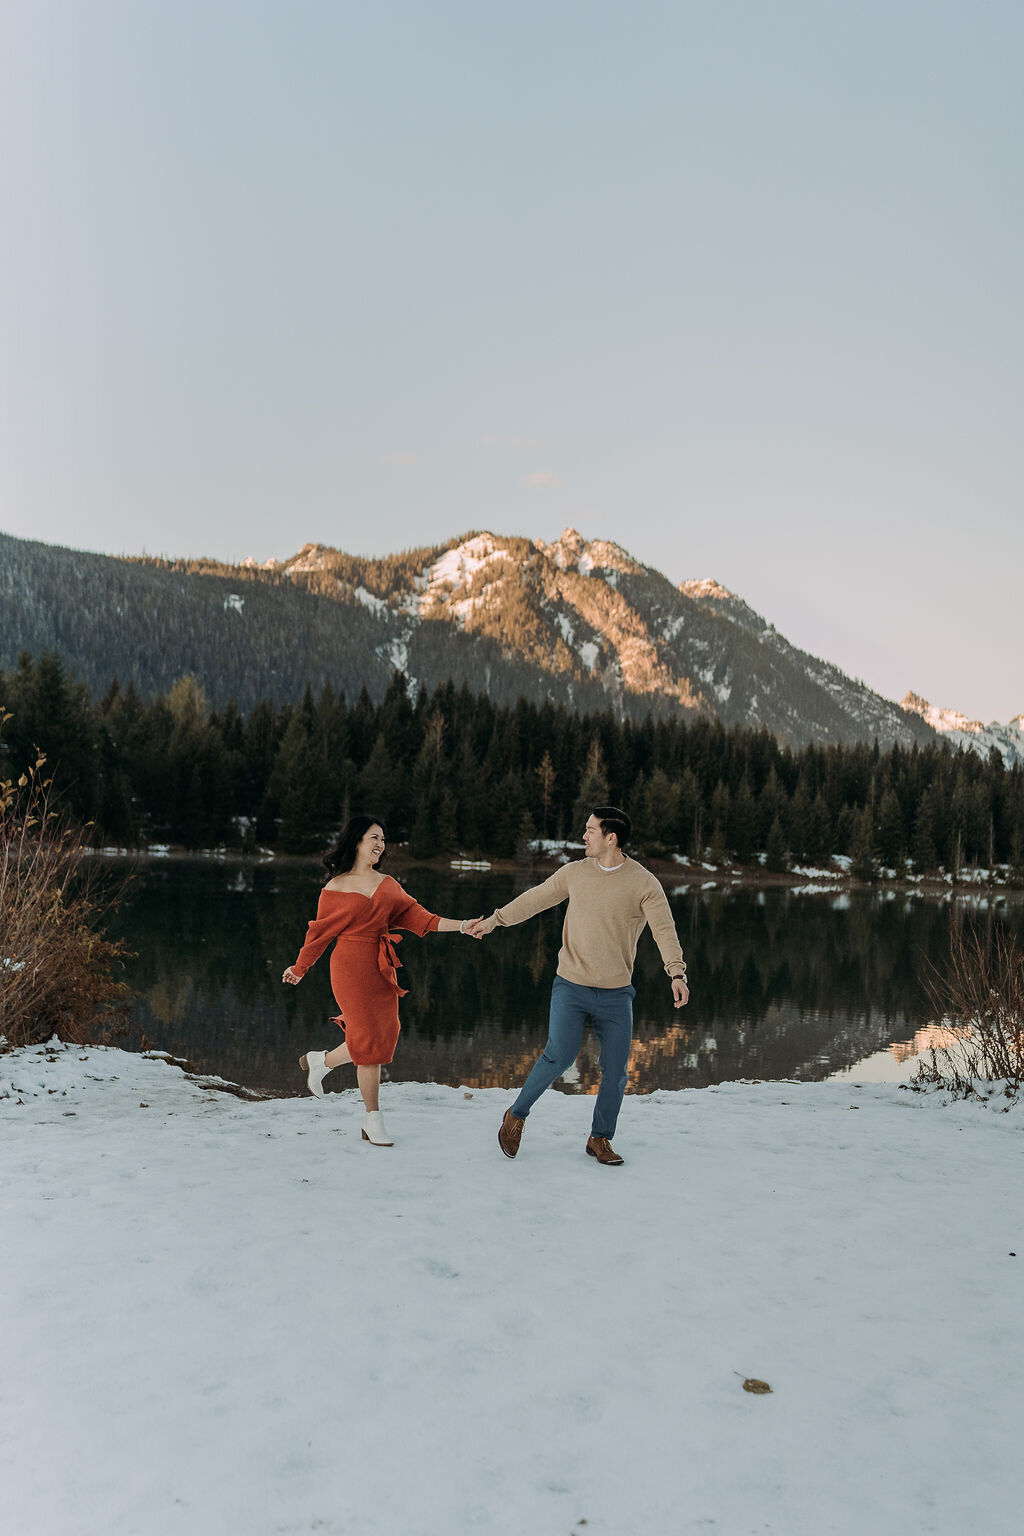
x,y
291,978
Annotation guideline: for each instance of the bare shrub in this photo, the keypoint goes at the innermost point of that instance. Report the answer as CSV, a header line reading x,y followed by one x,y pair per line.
x,y
58,973
979,997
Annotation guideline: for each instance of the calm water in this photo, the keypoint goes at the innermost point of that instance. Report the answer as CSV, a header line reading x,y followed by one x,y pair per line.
x,y
784,985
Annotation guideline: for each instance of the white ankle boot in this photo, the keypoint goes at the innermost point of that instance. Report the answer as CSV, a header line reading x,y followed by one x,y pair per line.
x,y
313,1066
373,1129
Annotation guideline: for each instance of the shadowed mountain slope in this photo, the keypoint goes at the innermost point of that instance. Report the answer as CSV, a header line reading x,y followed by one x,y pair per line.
x,y
577,622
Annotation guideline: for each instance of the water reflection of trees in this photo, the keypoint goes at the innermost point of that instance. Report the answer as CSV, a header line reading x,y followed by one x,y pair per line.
x,y
784,985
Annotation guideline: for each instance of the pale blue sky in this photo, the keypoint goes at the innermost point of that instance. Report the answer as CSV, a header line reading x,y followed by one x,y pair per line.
x,y
736,285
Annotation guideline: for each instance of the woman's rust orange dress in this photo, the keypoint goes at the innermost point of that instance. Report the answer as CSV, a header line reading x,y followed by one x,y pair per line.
x,y
364,963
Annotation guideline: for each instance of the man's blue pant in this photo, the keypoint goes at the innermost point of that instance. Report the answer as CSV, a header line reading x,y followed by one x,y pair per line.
x,y
610,1011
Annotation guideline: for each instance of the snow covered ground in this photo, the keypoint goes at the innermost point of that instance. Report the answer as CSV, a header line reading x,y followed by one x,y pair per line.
x,y
222,1316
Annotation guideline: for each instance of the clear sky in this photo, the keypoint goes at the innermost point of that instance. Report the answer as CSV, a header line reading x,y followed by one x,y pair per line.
x,y
736,284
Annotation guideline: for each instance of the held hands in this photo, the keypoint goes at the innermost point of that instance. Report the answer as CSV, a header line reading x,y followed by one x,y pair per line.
x,y
291,978
680,992
479,927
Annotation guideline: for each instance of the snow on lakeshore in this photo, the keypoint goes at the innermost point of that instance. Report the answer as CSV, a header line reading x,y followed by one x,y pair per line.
x,y
225,1316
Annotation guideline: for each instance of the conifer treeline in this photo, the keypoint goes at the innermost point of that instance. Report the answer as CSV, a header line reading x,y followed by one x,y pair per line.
x,y
453,772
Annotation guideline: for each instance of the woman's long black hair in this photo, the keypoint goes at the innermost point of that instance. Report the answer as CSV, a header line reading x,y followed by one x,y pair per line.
x,y
343,855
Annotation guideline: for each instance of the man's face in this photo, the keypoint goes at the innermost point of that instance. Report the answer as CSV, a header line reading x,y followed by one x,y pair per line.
x,y
597,843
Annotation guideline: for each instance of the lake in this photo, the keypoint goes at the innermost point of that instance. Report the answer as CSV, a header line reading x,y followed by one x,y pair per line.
x,y
785,984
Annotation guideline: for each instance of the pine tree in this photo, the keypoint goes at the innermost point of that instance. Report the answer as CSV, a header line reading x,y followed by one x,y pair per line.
x,y
819,833
525,836
1016,871
772,801
743,822
472,791
429,785
506,813
191,822
691,814
261,738
889,835
660,812
423,840
546,780
447,822
302,786
801,812
593,788
775,848
379,788
862,849
720,805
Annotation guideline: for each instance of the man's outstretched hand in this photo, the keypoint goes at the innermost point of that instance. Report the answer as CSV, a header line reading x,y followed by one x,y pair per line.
x,y
680,992
480,927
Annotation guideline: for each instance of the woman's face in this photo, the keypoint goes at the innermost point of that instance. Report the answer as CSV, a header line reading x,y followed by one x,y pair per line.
x,y
371,844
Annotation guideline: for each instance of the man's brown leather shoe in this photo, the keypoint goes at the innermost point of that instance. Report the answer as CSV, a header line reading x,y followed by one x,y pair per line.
x,y
601,1148
510,1134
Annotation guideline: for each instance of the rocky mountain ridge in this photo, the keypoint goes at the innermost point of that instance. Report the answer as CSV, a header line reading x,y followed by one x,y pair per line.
x,y
971,735
588,611
576,621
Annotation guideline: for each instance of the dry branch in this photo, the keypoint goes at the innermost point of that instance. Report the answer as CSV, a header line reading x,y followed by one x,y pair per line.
x,y
979,996
58,973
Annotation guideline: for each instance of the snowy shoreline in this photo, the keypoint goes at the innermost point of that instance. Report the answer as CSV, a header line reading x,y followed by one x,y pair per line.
x,y
227,1316
676,873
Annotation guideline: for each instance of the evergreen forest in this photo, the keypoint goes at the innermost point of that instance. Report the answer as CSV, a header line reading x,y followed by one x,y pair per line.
x,y
453,772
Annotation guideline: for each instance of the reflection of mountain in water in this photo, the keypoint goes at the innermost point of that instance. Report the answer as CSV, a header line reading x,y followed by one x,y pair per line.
x,y
783,986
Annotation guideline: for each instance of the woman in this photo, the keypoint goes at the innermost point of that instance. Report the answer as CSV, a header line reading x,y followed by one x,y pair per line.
x,y
358,906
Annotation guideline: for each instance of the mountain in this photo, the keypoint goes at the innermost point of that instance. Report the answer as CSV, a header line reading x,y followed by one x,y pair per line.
x,y
577,622
246,632
971,735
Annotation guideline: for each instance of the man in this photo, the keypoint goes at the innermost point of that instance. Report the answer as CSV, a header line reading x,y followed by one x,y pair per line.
x,y
611,900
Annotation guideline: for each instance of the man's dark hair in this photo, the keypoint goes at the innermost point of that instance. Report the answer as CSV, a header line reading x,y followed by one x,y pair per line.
x,y
343,855
614,820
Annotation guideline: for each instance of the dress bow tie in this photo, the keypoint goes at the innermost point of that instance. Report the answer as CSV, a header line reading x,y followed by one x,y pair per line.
x,y
389,962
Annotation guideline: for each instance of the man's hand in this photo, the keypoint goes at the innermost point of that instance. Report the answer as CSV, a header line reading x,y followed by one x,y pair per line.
x,y
291,978
680,992
480,927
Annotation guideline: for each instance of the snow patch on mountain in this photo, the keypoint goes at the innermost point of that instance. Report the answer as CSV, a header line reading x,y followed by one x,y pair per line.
x,y
311,557
573,552
369,600
460,564
455,570
971,735
397,652
705,588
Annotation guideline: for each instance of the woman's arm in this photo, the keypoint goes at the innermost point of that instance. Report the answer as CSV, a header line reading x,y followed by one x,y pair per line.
x,y
455,925
321,930
407,913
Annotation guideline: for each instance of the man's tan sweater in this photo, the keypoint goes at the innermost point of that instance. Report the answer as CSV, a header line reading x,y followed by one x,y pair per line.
x,y
608,910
